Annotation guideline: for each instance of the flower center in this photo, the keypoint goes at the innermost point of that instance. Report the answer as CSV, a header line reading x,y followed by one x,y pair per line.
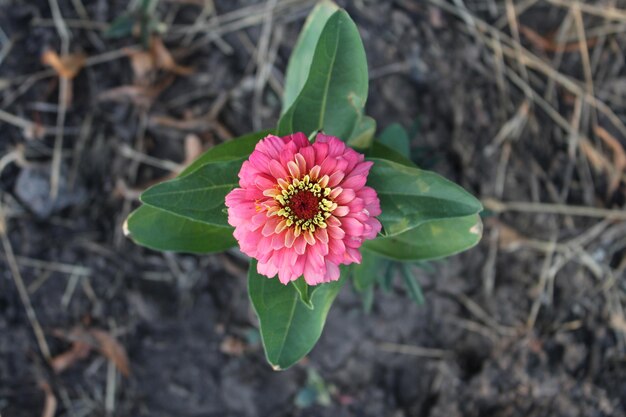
x,y
305,204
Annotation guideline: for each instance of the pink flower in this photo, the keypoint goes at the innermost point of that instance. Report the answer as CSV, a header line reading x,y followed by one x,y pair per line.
x,y
303,209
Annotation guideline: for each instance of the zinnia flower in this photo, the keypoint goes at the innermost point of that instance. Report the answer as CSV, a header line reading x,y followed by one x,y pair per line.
x,y
303,209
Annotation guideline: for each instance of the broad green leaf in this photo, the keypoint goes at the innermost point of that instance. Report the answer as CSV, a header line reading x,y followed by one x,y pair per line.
x,y
198,196
432,240
161,230
366,273
380,151
363,134
238,148
302,54
410,196
395,137
335,91
288,328
412,286
304,290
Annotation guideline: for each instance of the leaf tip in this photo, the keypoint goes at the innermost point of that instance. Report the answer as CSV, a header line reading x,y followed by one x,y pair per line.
x,y
277,368
477,229
125,228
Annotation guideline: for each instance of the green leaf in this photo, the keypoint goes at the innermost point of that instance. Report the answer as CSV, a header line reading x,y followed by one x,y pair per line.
x,y
335,91
365,274
386,281
198,196
395,137
412,286
363,134
304,290
288,328
411,196
160,230
121,27
306,397
367,298
163,230
302,54
228,151
381,151
432,240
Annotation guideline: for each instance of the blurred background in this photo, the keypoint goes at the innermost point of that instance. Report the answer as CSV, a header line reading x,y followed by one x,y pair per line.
x,y
522,102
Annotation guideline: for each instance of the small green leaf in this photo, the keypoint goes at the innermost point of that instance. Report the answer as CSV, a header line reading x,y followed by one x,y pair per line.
x,y
367,298
288,328
198,196
381,151
365,274
395,137
238,148
306,397
386,281
148,6
334,94
121,27
363,134
161,230
432,240
304,290
412,286
315,391
410,196
302,54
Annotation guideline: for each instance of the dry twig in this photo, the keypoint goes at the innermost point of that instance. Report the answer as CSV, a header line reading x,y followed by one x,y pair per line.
x,y
21,288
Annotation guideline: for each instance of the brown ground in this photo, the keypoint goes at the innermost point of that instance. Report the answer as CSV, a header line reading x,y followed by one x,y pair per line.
x,y
529,323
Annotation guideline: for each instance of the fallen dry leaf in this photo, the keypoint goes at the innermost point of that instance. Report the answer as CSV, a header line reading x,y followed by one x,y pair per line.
x,y
65,360
66,66
112,350
146,63
164,60
97,339
143,66
549,45
232,346
508,237
50,403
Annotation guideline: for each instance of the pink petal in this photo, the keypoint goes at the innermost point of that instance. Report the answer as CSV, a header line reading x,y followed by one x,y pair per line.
x,y
289,238
277,169
299,245
264,235
352,226
321,235
345,197
341,211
